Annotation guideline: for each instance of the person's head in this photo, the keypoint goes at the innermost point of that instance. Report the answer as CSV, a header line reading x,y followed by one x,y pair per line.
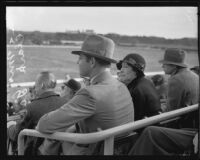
x,y
69,88
174,59
95,55
158,80
45,81
131,67
32,93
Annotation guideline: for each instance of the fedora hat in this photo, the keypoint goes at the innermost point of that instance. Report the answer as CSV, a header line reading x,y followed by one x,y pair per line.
x,y
99,47
174,56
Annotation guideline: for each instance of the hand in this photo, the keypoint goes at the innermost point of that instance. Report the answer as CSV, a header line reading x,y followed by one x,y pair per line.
x,y
11,123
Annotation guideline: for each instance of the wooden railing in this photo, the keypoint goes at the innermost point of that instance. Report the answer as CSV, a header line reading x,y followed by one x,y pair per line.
x,y
106,135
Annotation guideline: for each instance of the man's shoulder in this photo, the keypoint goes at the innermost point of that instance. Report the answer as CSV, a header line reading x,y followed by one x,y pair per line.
x,y
182,76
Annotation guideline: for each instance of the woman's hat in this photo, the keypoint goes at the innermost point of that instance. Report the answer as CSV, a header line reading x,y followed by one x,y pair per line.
x,y
174,56
73,84
99,47
134,60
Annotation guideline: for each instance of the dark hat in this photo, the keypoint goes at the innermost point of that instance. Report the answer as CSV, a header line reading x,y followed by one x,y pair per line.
x,y
174,56
134,60
73,84
99,47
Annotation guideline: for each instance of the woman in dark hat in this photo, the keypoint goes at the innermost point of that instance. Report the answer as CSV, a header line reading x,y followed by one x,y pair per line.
x,y
145,98
70,88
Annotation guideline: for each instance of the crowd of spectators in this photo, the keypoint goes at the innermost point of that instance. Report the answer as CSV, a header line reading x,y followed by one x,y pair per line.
x,y
103,102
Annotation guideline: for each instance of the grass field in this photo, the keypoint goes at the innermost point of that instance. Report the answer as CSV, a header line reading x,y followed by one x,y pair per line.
x,y
60,61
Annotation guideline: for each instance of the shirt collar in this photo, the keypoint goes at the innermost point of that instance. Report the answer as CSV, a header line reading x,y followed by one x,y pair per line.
x,y
100,77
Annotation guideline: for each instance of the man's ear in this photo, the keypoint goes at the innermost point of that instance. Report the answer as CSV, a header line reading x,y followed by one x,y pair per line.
x,y
93,62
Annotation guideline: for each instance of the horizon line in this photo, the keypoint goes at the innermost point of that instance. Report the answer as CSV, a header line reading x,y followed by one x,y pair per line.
x,y
100,33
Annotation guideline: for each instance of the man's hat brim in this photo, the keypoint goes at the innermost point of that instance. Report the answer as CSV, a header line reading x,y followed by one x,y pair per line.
x,y
94,55
177,64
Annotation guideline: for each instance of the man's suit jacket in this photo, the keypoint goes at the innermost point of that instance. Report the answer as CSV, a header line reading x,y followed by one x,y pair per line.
x,y
104,104
183,89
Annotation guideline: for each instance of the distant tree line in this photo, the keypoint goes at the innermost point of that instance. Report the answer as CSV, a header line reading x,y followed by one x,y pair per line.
x,y
38,38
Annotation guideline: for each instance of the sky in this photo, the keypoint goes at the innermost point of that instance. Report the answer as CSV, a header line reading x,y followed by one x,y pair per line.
x,y
168,22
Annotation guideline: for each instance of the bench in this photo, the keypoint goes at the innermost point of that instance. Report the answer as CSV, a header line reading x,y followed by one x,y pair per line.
x,y
108,135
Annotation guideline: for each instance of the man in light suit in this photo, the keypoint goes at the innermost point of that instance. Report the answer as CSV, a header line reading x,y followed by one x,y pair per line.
x,y
105,103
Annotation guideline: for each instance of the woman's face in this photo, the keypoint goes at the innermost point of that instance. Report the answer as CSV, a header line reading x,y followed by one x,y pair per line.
x,y
126,74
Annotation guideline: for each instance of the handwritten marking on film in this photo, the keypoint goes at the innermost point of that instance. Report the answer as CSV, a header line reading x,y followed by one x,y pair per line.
x,y
17,42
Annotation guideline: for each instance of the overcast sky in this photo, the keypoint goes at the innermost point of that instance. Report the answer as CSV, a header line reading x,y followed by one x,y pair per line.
x,y
168,22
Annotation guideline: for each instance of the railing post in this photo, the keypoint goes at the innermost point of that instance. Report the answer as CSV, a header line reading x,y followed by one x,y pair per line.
x,y
20,144
109,146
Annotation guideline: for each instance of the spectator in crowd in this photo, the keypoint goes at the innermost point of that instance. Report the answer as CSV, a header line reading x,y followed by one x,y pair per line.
x,y
47,101
160,85
165,141
195,69
145,98
69,88
53,147
183,84
104,104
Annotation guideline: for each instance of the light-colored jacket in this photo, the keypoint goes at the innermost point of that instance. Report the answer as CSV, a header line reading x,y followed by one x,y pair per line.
x,y
104,104
183,89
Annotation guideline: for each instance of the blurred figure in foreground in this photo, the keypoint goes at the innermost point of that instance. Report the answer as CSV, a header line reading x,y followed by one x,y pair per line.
x,y
166,141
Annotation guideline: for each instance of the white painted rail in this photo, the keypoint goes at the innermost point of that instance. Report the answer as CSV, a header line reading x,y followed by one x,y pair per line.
x,y
106,135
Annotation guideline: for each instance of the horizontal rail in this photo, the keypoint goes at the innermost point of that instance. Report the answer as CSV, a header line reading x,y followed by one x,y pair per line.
x,y
88,138
26,84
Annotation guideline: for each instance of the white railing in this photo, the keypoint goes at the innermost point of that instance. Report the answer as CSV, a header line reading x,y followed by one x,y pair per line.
x,y
106,135
26,84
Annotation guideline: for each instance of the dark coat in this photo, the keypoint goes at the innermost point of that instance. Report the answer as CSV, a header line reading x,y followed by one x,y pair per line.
x,y
145,98
183,89
47,102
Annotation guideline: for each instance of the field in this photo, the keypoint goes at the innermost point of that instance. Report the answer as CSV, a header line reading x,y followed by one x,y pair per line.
x,y
60,61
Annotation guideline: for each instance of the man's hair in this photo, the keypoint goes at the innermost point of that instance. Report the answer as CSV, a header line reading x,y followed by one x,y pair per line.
x,y
99,61
46,80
